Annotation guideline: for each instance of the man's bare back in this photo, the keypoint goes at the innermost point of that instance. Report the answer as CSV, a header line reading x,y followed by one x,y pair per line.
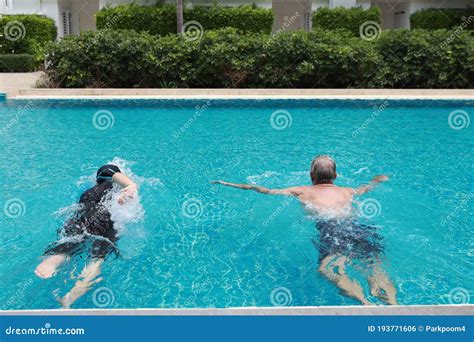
x,y
323,199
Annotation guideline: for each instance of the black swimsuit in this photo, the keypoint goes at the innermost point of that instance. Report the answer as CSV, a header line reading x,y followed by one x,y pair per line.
x,y
348,238
92,222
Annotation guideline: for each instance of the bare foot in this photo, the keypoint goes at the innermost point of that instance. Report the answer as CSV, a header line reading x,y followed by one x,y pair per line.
x,y
65,303
48,266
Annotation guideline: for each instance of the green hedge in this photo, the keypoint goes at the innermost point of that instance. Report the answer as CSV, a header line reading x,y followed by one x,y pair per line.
x,y
26,33
434,19
345,18
427,59
161,19
16,63
225,58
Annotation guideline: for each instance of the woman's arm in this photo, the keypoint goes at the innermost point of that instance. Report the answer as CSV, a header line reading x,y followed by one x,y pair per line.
x,y
130,188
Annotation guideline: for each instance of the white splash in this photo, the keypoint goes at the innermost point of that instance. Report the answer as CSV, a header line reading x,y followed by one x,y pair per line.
x,y
131,211
362,169
67,211
121,214
255,179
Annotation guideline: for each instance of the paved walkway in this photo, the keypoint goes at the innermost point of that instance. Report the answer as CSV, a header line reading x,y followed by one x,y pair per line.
x,y
12,82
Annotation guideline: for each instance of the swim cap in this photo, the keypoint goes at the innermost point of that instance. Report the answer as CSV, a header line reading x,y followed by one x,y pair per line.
x,y
106,172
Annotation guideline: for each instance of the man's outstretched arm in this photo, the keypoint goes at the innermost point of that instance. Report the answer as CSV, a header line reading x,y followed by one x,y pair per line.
x,y
373,183
293,191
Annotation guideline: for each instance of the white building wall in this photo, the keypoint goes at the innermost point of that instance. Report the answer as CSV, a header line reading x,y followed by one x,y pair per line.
x,y
395,13
319,3
417,5
341,3
48,8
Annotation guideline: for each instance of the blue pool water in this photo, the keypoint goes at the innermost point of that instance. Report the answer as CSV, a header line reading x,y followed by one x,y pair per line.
x,y
192,244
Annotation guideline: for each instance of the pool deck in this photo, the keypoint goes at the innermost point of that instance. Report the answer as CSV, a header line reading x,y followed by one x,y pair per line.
x,y
12,82
401,310
448,94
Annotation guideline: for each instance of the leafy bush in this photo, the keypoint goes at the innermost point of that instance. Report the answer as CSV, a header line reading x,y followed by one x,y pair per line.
x,y
227,58
26,34
434,19
427,59
16,63
161,19
345,18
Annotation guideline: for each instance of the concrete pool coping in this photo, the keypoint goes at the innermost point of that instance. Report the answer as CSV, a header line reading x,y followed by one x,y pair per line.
x,y
99,93
400,310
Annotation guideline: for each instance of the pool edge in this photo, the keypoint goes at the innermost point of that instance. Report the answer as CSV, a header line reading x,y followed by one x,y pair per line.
x,y
401,310
252,94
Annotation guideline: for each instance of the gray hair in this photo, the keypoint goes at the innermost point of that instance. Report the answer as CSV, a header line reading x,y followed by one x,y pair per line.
x,y
323,170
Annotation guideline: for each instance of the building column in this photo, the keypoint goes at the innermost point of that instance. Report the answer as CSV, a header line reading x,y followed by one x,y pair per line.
x,y
291,15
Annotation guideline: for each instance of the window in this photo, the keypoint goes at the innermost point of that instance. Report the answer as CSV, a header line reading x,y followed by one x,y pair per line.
x,y
67,19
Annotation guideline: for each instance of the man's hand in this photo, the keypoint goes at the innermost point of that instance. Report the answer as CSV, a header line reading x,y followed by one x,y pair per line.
x,y
241,186
380,178
218,182
130,192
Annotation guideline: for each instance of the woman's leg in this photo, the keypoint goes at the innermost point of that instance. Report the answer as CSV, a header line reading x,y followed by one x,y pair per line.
x,y
49,266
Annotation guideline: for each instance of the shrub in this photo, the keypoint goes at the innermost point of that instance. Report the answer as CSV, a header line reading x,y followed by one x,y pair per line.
x,y
434,19
16,63
227,58
26,34
427,59
345,18
161,19
318,59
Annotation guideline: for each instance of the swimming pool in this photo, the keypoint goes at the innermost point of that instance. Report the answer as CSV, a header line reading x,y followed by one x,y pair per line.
x,y
194,244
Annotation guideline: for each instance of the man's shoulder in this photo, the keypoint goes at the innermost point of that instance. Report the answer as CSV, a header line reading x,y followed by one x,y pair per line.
x,y
347,190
